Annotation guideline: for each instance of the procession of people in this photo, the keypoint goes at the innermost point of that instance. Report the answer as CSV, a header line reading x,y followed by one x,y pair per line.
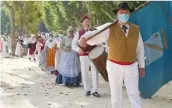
x,y
68,56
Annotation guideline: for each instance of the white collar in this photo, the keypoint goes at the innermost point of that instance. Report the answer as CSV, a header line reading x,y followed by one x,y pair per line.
x,y
127,25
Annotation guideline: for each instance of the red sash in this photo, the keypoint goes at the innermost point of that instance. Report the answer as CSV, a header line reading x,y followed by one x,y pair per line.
x,y
122,63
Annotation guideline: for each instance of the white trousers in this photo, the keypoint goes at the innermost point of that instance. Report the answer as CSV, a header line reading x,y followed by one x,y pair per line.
x,y
129,74
85,63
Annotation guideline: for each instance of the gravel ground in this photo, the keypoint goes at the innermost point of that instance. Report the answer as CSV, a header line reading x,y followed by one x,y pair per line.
x,y
24,85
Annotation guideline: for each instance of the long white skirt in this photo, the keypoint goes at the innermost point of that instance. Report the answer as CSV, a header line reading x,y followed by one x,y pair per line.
x,y
42,59
19,49
5,51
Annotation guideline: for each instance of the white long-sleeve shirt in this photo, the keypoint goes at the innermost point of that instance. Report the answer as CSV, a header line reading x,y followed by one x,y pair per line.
x,y
75,46
103,37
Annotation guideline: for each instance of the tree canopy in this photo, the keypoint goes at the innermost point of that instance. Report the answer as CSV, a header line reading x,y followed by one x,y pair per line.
x,y
58,15
25,17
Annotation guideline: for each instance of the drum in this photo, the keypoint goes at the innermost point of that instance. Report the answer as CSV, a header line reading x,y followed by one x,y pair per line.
x,y
88,48
99,57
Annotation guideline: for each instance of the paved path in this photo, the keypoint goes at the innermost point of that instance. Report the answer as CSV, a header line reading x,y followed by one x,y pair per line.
x,y
24,85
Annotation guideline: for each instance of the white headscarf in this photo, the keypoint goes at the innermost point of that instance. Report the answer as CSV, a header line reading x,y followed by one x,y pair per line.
x,y
50,37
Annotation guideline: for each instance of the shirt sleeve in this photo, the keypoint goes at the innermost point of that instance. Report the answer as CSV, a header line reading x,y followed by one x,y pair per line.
x,y
75,46
98,39
140,52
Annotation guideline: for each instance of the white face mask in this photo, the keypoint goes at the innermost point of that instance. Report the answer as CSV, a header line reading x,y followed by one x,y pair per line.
x,y
123,17
51,38
60,35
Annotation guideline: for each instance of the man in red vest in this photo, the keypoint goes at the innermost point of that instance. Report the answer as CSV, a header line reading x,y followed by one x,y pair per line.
x,y
85,61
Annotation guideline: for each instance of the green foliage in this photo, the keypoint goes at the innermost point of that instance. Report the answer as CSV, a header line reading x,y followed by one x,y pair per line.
x,y
61,14
5,22
28,14
58,15
33,15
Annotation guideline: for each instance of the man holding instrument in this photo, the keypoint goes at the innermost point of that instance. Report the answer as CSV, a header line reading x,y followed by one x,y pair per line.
x,y
125,53
85,61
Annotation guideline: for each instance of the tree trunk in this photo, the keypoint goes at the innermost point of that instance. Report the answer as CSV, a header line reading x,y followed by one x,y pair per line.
x,y
22,19
12,29
21,33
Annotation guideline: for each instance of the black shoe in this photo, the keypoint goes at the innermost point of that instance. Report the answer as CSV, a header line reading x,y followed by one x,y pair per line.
x,y
52,72
71,84
77,85
34,59
30,59
66,84
88,93
96,94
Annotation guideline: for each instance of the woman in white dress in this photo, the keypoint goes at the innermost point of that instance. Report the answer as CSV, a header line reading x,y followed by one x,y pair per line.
x,y
5,45
40,46
19,47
